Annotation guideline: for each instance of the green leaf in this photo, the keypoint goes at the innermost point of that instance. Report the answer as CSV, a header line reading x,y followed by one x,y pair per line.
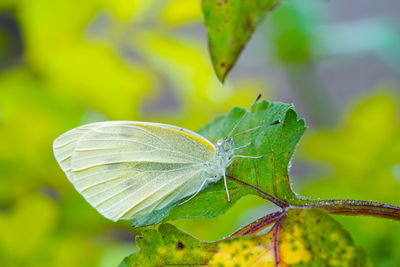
x,y
269,174
318,240
168,246
230,25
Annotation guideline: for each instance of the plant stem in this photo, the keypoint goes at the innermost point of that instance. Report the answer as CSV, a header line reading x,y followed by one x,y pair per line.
x,y
334,206
353,207
276,229
260,224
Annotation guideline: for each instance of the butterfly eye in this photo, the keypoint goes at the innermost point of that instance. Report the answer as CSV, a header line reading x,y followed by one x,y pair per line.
x,y
226,146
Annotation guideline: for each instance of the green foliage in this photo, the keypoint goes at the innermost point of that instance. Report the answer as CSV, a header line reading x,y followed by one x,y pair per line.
x,y
270,173
169,246
75,70
230,25
304,238
13,228
139,60
71,74
29,236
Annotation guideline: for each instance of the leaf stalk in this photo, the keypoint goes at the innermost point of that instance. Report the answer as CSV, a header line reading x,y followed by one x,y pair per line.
x,y
353,207
334,206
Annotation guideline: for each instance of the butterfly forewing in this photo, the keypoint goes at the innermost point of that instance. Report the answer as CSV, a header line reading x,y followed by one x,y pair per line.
x,y
129,168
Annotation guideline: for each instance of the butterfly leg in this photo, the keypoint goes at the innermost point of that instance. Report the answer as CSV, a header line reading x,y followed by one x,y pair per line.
x,y
242,156
247,157
226,187
198,191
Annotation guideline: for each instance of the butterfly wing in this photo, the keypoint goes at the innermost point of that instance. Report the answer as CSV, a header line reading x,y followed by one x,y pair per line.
x,y
128,168
64,146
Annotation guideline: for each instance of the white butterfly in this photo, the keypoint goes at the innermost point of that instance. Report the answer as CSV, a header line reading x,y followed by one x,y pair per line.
x,y
126,168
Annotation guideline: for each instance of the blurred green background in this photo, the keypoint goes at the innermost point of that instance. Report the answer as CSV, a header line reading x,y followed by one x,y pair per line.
x,y
66,63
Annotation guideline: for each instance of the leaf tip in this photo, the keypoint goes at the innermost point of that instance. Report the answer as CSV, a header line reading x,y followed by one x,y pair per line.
x,y
221,70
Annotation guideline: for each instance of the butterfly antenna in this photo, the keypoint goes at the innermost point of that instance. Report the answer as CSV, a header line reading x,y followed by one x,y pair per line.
x,y
258,127
244,115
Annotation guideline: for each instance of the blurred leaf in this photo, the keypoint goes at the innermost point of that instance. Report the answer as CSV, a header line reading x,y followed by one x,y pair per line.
x,y
89,72
230,25
81,62
75,250
362,151
24,227
113,255
30,235
8,3
31,115
189,78
363,154
124,10
10,40
177,12
305,238
292,28
269,174
111,65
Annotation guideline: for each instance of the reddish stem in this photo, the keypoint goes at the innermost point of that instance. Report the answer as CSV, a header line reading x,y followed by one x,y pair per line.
x,y
260,224
353,207
334,206
275,200
276,230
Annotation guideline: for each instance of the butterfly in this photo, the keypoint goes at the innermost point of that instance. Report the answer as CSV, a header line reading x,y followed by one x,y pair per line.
x,y
129,168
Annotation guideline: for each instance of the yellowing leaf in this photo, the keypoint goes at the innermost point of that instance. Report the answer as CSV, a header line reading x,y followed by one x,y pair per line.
x,y
302,238
314,238
245,251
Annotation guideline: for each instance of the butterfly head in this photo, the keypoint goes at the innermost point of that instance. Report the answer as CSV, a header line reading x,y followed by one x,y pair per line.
x,y
225,147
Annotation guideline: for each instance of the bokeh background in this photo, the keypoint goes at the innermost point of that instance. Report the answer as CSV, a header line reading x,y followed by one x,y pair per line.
x,y
68,62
